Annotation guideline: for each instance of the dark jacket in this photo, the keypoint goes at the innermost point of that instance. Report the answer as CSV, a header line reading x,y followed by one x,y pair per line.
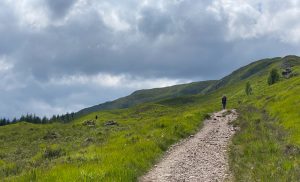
x,y
224,99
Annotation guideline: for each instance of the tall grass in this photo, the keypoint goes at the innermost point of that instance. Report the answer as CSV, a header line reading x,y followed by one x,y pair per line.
x,y
76,152
259,151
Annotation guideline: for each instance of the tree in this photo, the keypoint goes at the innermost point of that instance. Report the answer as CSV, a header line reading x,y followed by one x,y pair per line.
x,y
45,120
273,77
248,89
14,120
3,122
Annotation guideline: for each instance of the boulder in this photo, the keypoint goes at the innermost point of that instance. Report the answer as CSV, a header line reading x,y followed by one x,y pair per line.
x,y
89,139
110,123
89,123
51,135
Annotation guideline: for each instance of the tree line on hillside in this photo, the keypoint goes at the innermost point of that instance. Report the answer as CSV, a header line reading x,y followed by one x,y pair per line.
x,y
32,118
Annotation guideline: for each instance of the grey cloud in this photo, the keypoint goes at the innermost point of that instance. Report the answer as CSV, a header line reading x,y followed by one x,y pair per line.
x,y
59,8
10,35
164,39
154,22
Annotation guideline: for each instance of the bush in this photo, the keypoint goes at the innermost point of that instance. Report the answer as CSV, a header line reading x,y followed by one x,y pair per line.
x,y
273,77
248,89
207,116
52,152
7,169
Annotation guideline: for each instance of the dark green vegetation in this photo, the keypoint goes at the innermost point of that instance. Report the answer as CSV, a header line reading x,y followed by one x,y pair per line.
x,y
266,147
151,95
31,118
273,77
248,89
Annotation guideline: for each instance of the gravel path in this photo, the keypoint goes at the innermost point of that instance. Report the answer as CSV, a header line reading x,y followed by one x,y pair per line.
x,y
202,157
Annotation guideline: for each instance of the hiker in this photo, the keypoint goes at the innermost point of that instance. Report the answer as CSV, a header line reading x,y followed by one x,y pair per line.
x,y
224,100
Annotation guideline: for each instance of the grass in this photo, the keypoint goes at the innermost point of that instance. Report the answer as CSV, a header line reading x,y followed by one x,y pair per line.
x,y
151,95
265,149
76,152
259,151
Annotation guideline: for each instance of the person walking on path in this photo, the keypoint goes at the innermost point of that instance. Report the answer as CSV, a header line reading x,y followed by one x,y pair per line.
x,y
224,100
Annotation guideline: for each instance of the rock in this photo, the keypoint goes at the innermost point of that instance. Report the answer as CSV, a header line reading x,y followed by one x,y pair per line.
x,y
51,135
110,123
89,123
198,158
89,139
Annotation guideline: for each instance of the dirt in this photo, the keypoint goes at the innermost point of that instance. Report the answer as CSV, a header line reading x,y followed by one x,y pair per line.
x,y
202,157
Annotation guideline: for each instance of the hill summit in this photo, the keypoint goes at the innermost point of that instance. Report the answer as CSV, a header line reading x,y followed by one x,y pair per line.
x,y
202,87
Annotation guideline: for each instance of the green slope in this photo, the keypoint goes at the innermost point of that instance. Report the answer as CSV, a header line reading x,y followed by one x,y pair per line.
x,y
253,69
151,95
204,87
267,148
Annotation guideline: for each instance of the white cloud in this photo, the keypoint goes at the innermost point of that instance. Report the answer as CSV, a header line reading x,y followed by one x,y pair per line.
x,y
4,64
112,20
31,13
115,81
40,107
247,19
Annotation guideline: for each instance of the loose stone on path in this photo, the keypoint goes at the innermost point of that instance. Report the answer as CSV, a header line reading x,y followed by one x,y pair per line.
x,y
201,157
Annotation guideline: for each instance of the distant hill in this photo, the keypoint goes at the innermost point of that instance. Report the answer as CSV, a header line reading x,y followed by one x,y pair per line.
x,y
254,68
152,95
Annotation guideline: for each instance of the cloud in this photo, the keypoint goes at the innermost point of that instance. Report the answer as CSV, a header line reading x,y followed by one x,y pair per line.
x,y
60,8
30,14
4,64
70,93
115,81
254,19
65,55
154,22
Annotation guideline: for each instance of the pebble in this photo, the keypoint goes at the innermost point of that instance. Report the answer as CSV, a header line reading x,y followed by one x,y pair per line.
x,y
201,157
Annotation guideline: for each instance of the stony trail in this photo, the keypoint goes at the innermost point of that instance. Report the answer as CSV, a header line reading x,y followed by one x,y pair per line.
x,y
202,157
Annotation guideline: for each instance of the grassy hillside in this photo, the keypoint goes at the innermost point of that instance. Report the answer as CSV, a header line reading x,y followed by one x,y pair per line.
x,y
112,153
267,148
151,95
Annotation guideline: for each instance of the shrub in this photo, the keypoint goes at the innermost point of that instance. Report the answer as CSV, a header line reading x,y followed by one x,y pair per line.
x,y
207,116
273,77
248,89
52,152
7,169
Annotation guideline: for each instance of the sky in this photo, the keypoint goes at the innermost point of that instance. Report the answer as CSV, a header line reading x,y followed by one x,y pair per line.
x,y
59,56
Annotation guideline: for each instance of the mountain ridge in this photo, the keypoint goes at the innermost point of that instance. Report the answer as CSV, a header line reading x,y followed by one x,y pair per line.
x,y
151,95
200,87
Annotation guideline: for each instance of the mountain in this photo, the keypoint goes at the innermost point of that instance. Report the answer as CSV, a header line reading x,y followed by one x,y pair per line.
x,y
123,144
203,87
151,95
257,68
